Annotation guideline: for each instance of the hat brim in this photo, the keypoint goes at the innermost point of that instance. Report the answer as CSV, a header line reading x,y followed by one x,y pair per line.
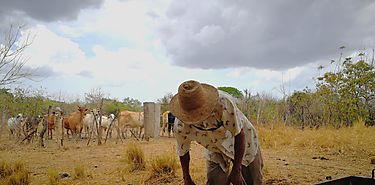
x,y
199,114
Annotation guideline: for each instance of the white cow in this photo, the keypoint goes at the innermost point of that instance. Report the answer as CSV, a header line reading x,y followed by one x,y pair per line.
x,y
15,126
106,121
89,123
106,124
91,119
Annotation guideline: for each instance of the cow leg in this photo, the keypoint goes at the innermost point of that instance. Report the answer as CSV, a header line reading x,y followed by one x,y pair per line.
x,y
10,134
80,132
124,133
67,133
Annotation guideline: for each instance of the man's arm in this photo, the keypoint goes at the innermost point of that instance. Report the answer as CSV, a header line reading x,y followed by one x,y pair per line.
x,y
239,149
185,161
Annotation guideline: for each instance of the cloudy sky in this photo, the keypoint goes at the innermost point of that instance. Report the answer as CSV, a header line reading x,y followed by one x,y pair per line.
x,y
145,48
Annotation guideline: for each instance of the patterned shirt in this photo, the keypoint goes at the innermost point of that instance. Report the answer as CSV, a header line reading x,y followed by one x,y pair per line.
x,y
217,136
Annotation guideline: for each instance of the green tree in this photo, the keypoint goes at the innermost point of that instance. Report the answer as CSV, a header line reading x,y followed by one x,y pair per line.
x,y
232,91
348,93
111,106
132,104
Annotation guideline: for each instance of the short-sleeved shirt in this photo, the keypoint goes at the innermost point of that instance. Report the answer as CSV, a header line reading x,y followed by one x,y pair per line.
x,y
217,136
171,118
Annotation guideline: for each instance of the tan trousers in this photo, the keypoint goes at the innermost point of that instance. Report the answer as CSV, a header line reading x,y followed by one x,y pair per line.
x,y
252,173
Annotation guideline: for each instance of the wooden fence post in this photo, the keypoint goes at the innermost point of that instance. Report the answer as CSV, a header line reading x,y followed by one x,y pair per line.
x,y
62,128
45,127
2,122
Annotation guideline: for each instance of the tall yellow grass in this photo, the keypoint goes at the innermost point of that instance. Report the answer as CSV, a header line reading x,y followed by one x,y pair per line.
x,y
79,171
347,139
163,169
135,157
14,173
166,163
53,176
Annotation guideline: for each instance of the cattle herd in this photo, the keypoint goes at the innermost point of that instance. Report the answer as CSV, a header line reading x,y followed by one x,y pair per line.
x,y
82,123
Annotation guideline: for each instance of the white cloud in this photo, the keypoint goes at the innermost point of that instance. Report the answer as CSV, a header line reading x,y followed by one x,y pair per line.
x,y
140,65
59,53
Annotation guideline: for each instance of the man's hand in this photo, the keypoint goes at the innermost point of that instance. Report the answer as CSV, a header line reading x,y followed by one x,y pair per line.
x,y
188,181
185,159
235,177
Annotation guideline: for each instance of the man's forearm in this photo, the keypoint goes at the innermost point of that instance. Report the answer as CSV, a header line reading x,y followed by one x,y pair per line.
x,y
185,160
239,150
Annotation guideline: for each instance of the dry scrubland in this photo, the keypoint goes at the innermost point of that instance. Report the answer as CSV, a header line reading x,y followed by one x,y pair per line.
x,y
291,156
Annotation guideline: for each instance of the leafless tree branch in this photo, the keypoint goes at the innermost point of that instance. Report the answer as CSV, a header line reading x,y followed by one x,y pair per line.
x,y
12,60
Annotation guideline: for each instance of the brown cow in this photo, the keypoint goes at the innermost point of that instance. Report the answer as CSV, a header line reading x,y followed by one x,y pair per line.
x,y
52,120
73,121
130,120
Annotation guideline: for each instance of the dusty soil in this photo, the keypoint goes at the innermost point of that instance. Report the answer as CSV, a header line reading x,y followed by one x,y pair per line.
x,y
105,165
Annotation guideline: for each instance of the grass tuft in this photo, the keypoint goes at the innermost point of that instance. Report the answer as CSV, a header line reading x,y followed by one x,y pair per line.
x,y
53,176
164,164
14,173
134,157
79,171
163,169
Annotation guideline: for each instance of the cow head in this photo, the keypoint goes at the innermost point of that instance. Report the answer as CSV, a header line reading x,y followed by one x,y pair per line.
x,y
82,110
96,112
19,117
111,116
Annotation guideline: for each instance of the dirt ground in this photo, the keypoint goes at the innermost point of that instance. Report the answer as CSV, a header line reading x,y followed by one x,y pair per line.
x,y
105,165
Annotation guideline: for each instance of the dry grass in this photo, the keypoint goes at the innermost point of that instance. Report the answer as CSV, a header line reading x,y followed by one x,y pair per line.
x,y
53,176
344,140
134,157
163,168
289,156
79,171
15,173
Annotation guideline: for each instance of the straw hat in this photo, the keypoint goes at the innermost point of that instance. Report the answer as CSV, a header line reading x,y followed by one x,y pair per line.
x,y
194,101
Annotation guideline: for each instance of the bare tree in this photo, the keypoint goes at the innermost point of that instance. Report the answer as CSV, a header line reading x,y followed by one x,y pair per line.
x,y
94,97
12,60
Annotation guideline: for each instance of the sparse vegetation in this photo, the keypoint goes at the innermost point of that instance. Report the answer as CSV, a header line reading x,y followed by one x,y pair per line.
x,y
305,131
14,173
53,176
344,140
163,168
79,171
134,157
166,163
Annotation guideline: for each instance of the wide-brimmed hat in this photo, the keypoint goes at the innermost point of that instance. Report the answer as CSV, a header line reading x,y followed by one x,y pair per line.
x,y
194,101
